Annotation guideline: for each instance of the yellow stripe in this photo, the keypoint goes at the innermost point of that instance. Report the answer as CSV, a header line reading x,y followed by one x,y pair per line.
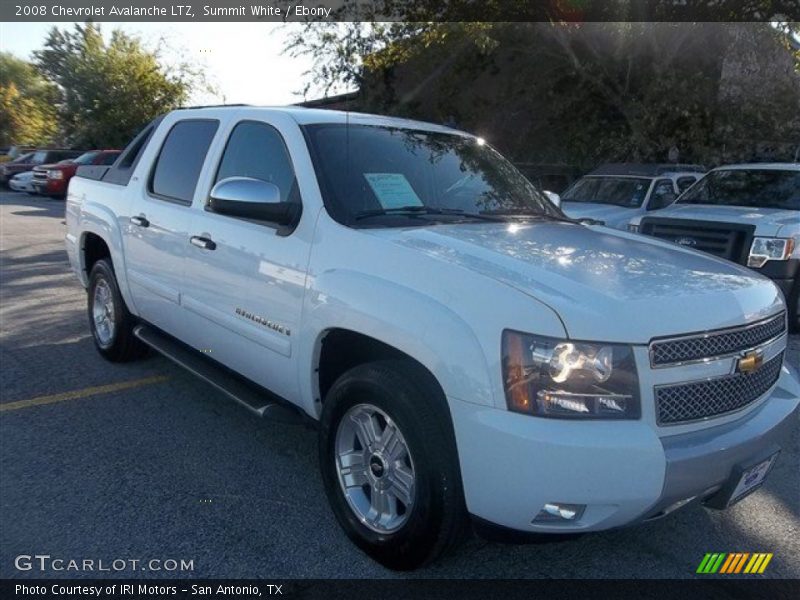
x,y
757,564
765,563
84,393
741,562
753,560
727,562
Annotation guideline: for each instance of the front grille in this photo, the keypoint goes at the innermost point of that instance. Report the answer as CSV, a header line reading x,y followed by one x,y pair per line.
x,y
714,397
716,343
726,240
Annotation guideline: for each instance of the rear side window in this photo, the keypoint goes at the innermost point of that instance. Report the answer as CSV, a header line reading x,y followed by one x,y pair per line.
x,y
257,150
174,176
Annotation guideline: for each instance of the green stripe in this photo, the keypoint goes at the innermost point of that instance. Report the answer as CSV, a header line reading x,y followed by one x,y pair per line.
x,y
701,568
717,564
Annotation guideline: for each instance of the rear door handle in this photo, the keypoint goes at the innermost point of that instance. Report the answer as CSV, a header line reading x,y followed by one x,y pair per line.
x,y
202,242
140,221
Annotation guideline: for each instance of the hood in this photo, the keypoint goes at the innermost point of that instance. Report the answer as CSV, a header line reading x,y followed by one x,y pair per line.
x,y
612,215
605,285
768,221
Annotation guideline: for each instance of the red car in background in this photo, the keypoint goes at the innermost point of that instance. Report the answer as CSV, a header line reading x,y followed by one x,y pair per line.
x,y
53,179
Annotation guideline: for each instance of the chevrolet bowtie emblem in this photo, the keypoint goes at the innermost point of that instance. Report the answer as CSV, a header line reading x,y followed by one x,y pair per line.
x,y
750,362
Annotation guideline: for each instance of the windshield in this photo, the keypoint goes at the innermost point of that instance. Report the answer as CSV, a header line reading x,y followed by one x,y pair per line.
x,y
755,188
628,192
393,177
86,158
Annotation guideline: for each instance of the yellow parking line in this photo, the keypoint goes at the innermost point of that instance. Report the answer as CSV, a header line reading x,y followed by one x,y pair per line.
x,y
84,393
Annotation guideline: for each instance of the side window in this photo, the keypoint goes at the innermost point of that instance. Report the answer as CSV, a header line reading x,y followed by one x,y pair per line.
x,y
257,150
174,176
663,195
684,183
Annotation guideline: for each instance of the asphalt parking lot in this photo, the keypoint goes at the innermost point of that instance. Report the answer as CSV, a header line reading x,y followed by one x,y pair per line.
x,y
143,461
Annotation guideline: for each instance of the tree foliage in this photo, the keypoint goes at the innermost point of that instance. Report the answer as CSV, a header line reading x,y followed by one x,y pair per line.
x,y
569,92
108,90
27,115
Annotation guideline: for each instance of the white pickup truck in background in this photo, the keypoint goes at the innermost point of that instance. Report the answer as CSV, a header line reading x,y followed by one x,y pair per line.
x,y
749,214
467,351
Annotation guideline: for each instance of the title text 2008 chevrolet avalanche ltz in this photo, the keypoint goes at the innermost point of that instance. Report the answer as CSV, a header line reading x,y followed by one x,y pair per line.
x,y
469,353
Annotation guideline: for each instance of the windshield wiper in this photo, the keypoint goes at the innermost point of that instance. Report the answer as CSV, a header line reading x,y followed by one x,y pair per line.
x,y
527,213
415,210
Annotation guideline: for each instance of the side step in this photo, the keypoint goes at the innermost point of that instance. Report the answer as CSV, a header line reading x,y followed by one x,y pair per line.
x,y
255,399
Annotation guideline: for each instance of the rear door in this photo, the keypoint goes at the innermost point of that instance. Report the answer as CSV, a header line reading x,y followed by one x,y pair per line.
x,y
156,234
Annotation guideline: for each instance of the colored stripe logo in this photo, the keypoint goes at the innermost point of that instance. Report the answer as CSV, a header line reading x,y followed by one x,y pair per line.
x,y
728,563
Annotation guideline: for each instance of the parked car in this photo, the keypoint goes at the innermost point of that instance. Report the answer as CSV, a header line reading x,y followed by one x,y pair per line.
x,y
22,182
34,159
749,214
52,180
10,153
615,193
463,347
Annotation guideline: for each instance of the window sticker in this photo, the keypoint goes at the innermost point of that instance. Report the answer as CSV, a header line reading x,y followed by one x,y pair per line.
x,y
392,190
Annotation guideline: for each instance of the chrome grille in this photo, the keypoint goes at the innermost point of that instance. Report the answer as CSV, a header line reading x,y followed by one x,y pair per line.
x,y
714,397
715,344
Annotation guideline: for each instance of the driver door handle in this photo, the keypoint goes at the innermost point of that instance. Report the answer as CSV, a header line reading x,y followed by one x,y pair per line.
x,y
202,242
140,221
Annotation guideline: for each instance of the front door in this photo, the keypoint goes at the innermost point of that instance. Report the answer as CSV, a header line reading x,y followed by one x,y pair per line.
x,y
244,279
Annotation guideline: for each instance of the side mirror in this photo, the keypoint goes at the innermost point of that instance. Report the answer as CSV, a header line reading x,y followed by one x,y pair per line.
x,y
250,198
554,198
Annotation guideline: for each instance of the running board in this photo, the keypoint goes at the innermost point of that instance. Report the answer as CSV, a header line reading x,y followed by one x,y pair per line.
x,y
255,399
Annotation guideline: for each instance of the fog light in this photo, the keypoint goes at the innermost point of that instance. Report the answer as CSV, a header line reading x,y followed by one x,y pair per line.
x,y
559,512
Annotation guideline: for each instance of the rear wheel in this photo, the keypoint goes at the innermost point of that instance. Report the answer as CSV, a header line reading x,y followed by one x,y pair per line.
x,y
389,464
111,323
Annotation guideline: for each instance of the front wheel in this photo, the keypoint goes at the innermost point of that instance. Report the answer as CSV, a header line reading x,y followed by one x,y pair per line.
x,y
389,464
111,323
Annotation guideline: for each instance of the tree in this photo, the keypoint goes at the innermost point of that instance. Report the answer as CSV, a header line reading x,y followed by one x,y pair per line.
x,y
109,90
567,92
27,116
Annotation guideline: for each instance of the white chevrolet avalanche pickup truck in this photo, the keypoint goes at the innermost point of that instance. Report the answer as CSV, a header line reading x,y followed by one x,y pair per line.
x,y
467,352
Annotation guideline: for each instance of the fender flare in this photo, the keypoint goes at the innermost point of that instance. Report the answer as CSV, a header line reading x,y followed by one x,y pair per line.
x,y
421,327
102,222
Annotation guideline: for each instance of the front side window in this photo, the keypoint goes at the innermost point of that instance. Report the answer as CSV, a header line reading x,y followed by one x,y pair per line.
x,y
628,192
372,172
755,188
182,155
257,150
663,194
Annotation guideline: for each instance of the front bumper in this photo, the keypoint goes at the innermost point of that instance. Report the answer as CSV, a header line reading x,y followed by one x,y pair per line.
x,y
512,465
49,187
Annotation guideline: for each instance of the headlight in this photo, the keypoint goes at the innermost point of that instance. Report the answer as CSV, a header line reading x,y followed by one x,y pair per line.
x,y
548,377
633,228
55,174
764,249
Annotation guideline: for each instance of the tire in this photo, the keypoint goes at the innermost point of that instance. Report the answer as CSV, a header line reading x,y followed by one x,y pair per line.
x,y
793,302
431,518
109,320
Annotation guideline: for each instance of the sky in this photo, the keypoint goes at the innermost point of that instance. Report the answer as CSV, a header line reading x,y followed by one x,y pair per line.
x,y
244,61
